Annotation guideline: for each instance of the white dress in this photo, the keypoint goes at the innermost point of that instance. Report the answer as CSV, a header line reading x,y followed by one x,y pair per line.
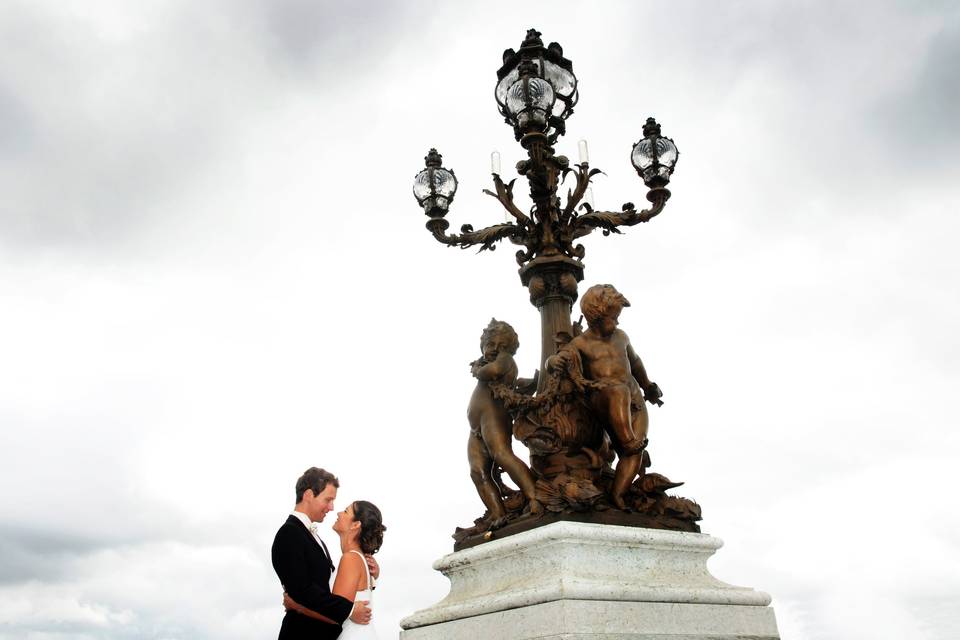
x,y
352,630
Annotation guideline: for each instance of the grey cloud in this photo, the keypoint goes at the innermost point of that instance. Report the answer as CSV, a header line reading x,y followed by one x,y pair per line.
x,y
153,590
104,137
37,554
103,131
922,121
16,127
52,631
307,31
29,553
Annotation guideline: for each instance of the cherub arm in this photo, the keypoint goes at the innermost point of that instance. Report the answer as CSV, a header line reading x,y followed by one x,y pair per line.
x,y
496,370
564,356
527,386
650,389
636,366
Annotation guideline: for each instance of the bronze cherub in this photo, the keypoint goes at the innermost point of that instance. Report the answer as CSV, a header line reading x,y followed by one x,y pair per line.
x,y
604,364
491,428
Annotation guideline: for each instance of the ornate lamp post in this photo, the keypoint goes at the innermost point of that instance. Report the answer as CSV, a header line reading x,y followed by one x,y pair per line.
x,y
578,417
576,577
536,91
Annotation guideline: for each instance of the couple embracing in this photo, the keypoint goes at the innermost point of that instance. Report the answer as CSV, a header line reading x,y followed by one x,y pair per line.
x,y
304,564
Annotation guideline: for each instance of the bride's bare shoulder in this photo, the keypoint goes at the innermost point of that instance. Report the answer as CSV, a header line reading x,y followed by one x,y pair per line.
x,y
351,576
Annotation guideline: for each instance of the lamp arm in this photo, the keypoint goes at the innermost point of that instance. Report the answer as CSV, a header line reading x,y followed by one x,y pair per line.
x,y
504,195
486,237
584,176
609,221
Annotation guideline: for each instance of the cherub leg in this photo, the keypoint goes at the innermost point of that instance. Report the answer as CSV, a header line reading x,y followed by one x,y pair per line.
x,y
627,469
481,464
497,436
613,403
641,420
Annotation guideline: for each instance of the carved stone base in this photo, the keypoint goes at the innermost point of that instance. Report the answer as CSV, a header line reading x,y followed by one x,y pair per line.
x,y
606,620
577,580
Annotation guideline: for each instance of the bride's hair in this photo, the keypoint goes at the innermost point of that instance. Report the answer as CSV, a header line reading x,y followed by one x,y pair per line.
x,y
371,525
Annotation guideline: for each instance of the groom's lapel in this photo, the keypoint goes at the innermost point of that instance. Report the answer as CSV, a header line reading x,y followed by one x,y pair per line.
x,y
327,552
313,540
324,545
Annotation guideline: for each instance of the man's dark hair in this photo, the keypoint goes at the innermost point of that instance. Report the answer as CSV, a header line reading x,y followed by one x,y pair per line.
x,y
315,479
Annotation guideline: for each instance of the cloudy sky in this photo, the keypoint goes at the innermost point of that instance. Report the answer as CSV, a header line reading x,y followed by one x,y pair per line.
x,y
213,275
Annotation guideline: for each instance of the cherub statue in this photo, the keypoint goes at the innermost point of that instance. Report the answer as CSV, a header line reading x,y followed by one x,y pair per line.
x,y
602,362
491,428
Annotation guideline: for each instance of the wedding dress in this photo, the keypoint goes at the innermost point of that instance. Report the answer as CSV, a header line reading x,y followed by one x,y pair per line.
x,y
352,630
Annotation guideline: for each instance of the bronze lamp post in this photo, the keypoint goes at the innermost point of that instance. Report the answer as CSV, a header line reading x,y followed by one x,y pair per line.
x,y
536,91
588,406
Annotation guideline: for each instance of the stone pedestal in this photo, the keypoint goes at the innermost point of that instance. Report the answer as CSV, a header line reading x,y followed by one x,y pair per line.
x,y
573,580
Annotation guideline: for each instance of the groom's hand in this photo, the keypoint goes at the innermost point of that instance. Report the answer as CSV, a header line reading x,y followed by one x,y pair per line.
x,y
373,566
361,612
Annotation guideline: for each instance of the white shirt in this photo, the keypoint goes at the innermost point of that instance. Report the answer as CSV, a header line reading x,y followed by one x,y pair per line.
x,y
312,528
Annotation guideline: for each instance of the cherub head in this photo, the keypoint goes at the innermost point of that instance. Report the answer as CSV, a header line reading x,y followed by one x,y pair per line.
x,y
498,336
601,306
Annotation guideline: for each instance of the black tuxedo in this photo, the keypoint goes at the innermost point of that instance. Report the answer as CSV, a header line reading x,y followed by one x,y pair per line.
x,y
304,571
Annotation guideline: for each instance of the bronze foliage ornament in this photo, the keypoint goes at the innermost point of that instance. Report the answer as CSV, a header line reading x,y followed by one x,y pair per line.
x,y
584,419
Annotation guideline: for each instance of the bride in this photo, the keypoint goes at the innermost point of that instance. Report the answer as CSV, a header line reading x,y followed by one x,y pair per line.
x,y
360,527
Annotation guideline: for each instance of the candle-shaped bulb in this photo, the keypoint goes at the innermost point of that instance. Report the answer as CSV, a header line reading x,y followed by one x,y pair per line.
x,y
584,156
495,162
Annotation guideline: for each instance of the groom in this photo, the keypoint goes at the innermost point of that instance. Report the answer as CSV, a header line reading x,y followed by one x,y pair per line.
x,y
303,563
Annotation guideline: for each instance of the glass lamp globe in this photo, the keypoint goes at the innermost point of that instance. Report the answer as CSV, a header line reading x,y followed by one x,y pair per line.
x,y
530,101
530,106
434,187
654,157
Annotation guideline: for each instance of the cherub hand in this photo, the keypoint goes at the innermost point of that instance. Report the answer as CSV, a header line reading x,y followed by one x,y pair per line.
x,y
559,360
361,612
634,446
653,394
475,367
